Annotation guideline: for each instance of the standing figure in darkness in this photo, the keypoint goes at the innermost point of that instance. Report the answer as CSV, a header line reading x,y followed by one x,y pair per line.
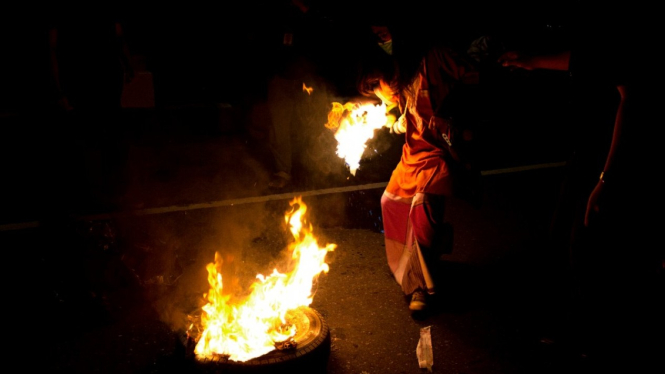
x,y
307,72
609,250
90,63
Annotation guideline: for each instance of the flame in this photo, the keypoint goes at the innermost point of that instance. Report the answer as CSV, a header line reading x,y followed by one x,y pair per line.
x,y
307,89
355,123
249,328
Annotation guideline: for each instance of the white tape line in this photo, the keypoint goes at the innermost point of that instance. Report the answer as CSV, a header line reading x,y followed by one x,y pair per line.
x,y
233,202
260,199
522,168
19,226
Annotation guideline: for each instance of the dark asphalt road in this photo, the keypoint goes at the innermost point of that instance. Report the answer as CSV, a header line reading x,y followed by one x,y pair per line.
x,y
103,282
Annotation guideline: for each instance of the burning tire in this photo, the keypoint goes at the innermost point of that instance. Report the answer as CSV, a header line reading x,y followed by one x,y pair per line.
x,y
309,355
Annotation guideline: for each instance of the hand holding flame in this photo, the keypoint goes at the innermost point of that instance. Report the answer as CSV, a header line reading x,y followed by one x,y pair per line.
x,y
355,123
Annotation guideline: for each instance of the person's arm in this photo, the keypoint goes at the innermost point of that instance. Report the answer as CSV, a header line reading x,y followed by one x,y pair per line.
x,y
558,61
593,204
125,56
55,69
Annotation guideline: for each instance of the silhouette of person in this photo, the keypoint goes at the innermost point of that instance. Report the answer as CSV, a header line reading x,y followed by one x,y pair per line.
x,y
616,272
90,63
305,45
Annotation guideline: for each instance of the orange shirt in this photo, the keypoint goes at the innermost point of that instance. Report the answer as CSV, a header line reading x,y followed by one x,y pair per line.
x,y
422,167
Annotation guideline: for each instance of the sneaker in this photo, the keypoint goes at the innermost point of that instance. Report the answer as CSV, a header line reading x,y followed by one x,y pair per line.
x,y
418,301
279,180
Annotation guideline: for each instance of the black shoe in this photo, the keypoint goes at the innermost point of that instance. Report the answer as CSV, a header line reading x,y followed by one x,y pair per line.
x,y
418,301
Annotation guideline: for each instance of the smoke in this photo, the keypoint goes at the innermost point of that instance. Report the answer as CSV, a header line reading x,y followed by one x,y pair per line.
x,y
170,253
249,239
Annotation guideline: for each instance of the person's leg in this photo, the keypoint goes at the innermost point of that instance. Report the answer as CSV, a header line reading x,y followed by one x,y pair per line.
x,y
397,233
282,112
413,232
426,217
315,145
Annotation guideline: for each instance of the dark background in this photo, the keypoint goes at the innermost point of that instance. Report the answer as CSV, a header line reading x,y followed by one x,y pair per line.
x,y
209,63
102,289
208,53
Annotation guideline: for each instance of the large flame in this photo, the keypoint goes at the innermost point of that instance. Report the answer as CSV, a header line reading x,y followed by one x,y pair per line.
x,y
249,328
355,123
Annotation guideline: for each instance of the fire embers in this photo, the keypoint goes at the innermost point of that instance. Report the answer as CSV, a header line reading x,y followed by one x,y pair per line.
x,y
290,343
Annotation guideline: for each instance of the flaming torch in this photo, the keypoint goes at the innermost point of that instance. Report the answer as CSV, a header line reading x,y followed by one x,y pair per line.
x,y
254,326
355,124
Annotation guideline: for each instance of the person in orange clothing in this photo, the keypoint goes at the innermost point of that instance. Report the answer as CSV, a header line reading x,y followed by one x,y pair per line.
x,y
416,81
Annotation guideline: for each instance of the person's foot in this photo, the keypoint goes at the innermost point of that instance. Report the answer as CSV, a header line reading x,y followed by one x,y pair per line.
x,y
418,301
279,180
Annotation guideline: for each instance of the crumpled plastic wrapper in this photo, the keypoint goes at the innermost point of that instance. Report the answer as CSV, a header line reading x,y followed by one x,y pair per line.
x,y
424,349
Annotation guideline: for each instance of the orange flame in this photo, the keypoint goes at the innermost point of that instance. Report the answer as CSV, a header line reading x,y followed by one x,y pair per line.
x,y
355,124
307,89
249,328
